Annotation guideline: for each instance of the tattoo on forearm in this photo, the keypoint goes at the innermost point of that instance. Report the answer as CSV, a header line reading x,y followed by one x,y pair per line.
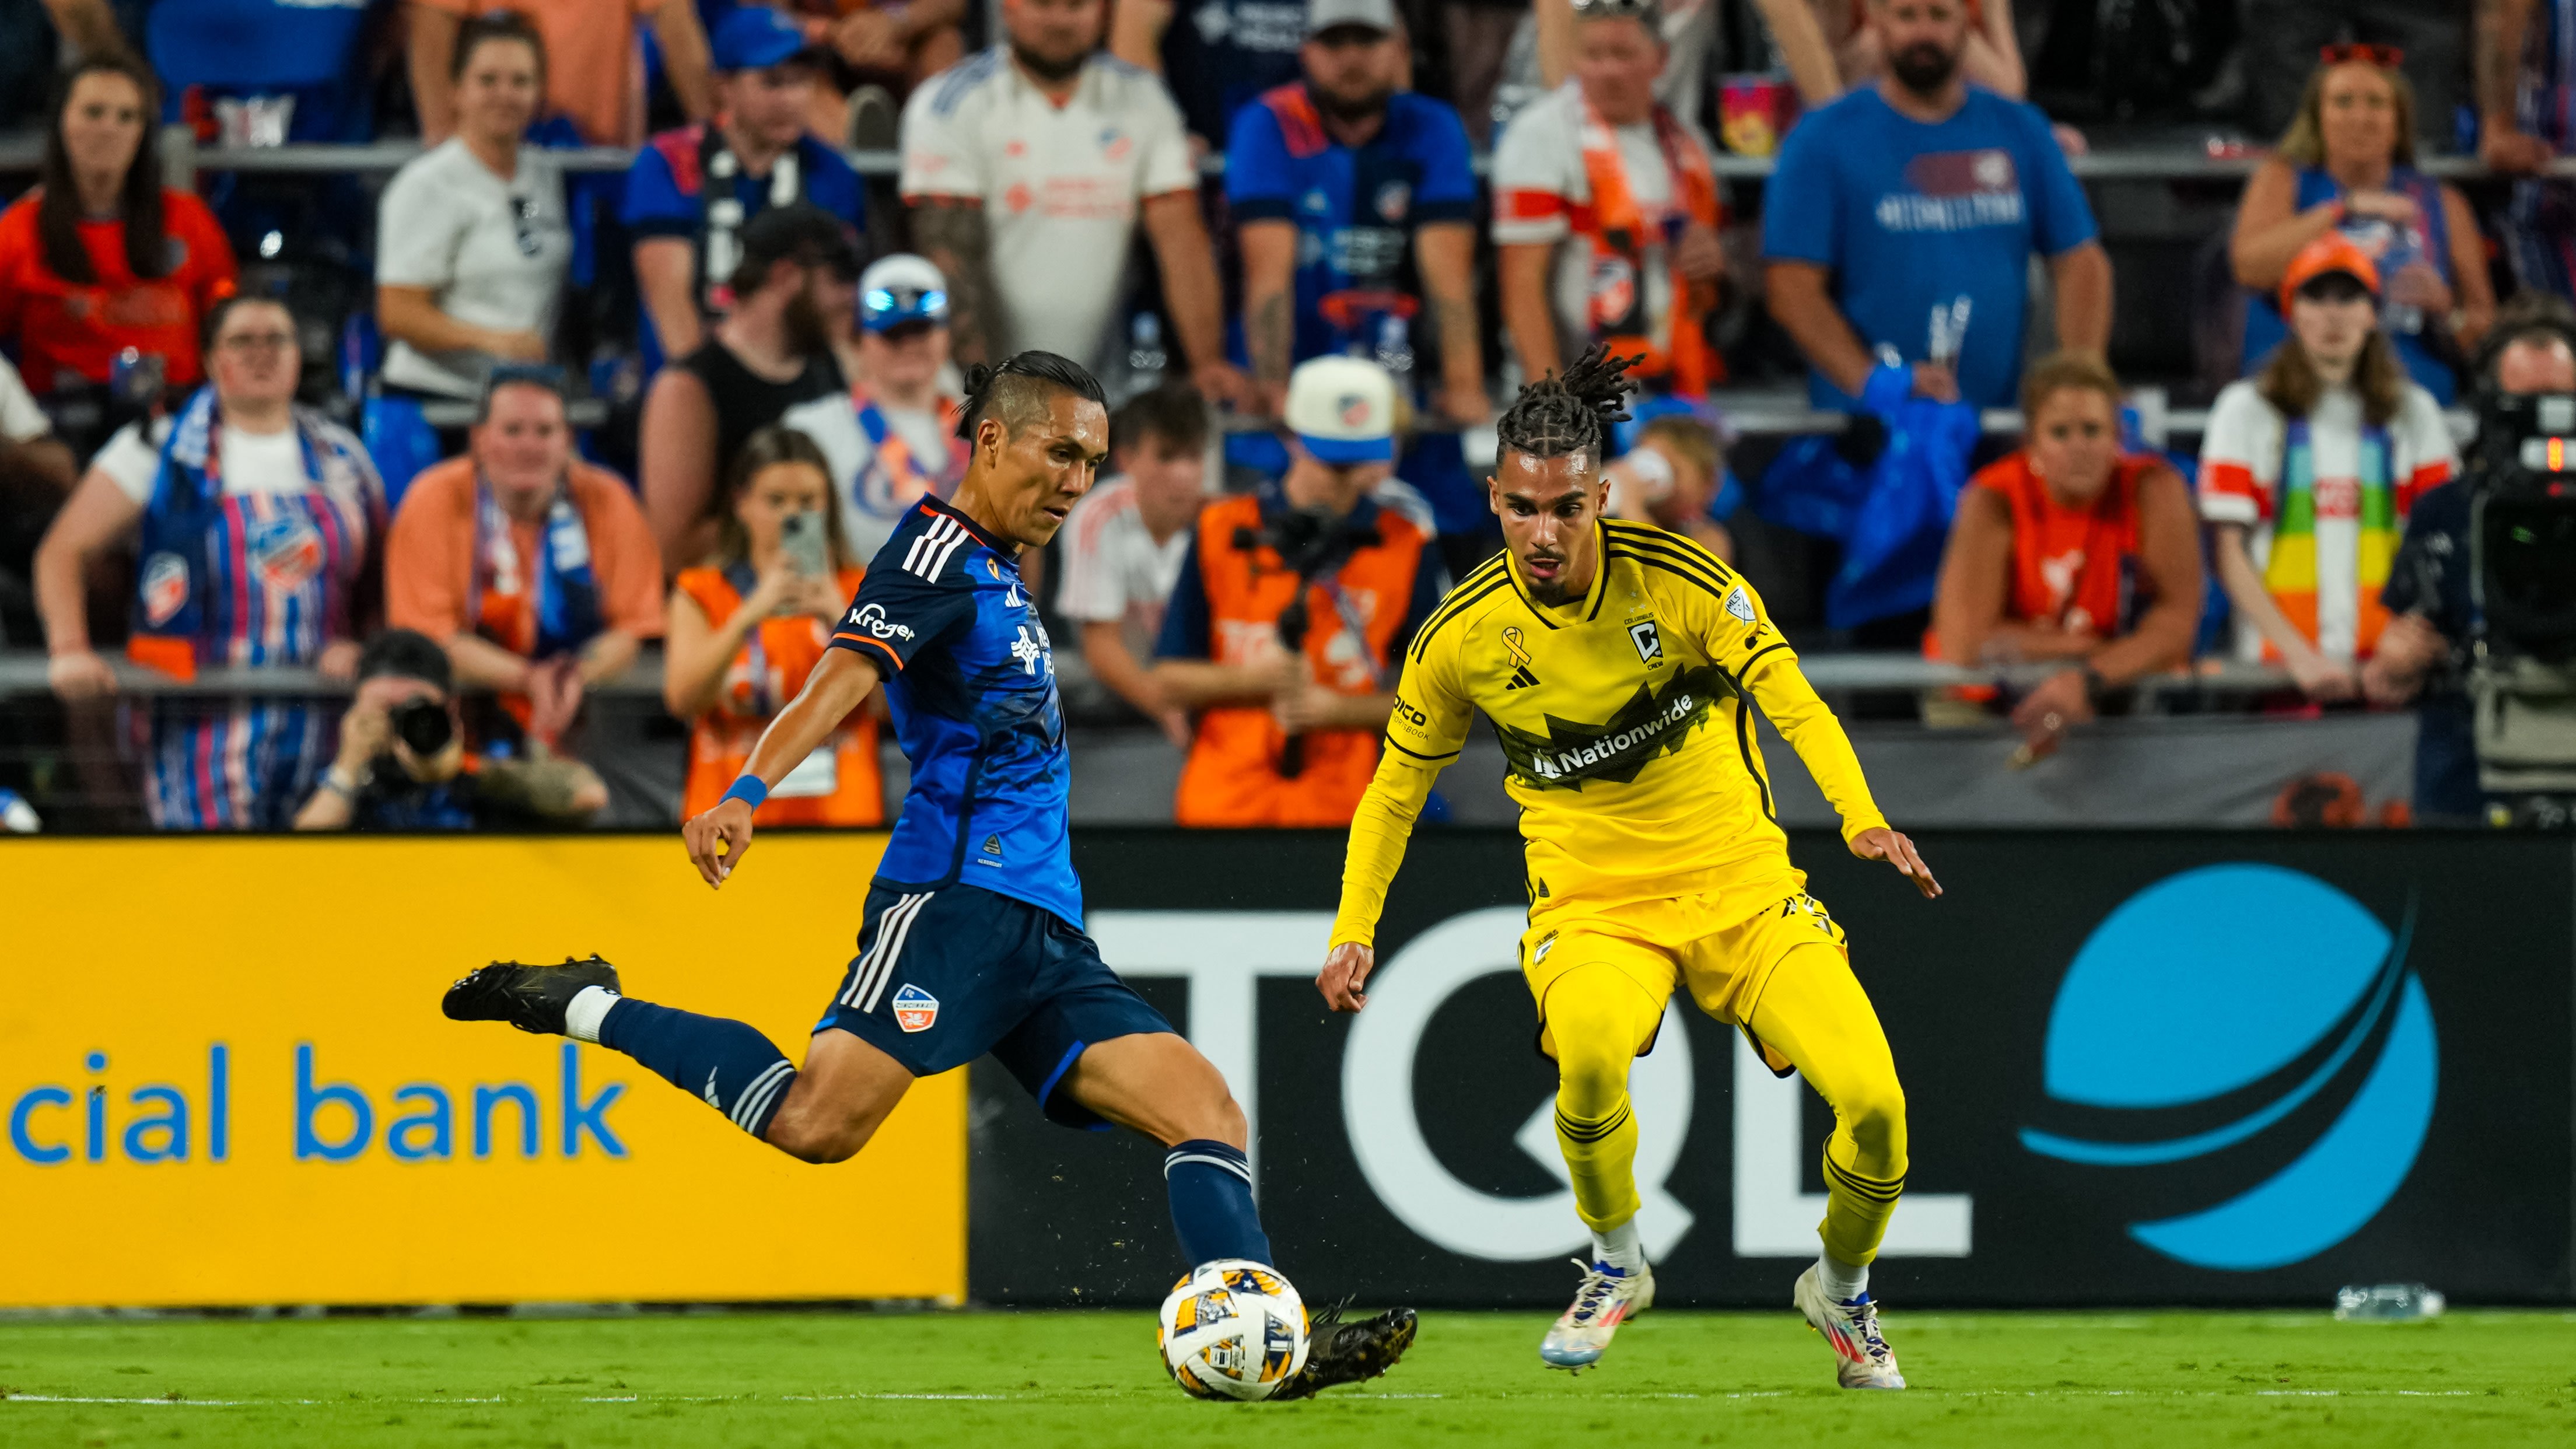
x,y
1273,338
538,789
956,240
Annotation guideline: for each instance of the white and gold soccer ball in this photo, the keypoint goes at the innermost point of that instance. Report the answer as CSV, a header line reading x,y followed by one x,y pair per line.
x,y
1234,1329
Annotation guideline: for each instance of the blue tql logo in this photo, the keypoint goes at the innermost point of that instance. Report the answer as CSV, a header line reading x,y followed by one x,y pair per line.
x,y
2213,981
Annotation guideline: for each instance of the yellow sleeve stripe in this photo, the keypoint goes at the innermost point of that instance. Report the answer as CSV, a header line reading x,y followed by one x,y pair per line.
x,y
1676,545
1480,583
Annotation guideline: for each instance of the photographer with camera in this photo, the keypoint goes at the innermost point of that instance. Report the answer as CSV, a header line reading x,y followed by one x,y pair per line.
x,y
403,764
1292,607
2432,595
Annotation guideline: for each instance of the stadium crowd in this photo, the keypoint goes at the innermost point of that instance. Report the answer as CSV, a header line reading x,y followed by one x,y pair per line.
x,y
568,417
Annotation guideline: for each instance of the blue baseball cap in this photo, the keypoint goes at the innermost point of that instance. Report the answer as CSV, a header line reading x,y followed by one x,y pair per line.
x,y
902,288
756,37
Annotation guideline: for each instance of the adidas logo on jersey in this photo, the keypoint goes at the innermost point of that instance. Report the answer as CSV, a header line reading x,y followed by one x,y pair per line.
x,y
1521,679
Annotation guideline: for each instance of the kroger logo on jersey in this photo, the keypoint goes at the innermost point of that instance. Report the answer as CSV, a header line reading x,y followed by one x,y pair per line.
x,y
2253,1019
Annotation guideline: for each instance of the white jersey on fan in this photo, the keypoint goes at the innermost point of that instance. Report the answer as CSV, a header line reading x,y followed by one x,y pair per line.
x,y
1060,185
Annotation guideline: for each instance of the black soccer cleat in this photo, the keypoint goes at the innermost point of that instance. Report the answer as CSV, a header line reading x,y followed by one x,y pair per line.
x,y
1346,1353
531,998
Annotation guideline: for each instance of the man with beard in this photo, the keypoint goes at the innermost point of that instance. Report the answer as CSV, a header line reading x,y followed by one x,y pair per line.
x,y
1356,205
692,191
1027,168
1901,220
771,352
1606,213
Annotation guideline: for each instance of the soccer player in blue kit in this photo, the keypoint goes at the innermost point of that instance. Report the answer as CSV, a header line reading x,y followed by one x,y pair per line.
x,y
972,939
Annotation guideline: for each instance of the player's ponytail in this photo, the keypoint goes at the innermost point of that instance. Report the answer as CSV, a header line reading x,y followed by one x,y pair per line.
x,y
1010,389
1573,413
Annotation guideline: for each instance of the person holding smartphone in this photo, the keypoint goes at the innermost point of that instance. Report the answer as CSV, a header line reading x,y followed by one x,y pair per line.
x,y
745,631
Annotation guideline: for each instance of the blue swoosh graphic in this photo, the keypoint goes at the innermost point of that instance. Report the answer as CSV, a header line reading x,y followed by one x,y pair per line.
x,y
2139,1154
2337,1185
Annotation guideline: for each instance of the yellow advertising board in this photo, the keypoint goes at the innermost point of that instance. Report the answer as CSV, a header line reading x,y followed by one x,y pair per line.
x,y
226,1080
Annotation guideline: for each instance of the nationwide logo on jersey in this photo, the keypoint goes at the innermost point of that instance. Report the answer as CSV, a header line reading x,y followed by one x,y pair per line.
x,y
1522,678
1650,644
914,1008
1651,723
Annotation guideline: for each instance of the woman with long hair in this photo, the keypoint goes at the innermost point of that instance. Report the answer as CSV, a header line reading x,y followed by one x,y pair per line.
x,y
101,259
744,632
2070,550
257,518
2347,166
2308,469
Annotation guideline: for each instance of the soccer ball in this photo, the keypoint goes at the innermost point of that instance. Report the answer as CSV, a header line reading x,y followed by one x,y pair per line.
x,y
1234,1329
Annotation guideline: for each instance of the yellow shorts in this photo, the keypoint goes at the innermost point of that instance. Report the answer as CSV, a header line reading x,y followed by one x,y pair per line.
x,y
1722,946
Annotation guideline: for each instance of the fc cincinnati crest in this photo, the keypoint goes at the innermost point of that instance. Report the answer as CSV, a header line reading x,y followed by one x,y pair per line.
x,y
165,588
1650,645
1394,199
915,1009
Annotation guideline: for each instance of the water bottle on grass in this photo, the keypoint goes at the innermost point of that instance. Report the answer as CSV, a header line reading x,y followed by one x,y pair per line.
x,y
2386,1303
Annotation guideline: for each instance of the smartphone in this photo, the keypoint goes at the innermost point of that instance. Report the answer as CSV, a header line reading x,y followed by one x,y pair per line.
x,y
807,543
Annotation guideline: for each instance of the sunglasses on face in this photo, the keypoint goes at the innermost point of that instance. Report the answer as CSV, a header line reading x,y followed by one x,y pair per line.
x,y
2386,57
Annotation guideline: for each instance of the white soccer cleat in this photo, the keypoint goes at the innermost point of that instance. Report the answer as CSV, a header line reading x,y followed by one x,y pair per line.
x,y
1862,1359
1607,1299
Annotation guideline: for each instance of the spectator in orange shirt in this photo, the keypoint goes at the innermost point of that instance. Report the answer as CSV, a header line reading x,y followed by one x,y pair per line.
x,y
746,631
2073,552
535,570
594,71
101,257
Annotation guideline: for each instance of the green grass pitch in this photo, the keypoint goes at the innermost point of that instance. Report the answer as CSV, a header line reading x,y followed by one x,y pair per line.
x,y
1024,1380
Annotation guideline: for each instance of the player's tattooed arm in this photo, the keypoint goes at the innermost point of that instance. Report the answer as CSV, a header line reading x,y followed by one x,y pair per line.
x,y
1269,317
951,231
545,787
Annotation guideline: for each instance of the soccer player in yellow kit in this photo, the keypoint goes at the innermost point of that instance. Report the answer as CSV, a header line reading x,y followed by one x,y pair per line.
x,y
1616,662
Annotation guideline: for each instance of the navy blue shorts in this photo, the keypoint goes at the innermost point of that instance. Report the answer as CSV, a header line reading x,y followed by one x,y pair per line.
x,y
943,977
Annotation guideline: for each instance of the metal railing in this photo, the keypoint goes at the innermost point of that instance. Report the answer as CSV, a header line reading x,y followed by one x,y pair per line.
x,y
22,672
183,157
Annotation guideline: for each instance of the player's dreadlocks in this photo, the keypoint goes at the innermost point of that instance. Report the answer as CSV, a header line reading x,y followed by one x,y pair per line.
x,y
1015,392
1558,415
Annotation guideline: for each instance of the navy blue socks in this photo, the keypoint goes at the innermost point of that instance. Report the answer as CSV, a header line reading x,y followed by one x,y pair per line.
x,y
732,1066
1212,1211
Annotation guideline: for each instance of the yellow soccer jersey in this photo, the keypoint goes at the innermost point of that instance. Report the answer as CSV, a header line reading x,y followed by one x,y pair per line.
x,y
1624,725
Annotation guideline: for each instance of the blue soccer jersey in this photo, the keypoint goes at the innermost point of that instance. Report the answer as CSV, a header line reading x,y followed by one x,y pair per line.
x,y
970,676
1356,208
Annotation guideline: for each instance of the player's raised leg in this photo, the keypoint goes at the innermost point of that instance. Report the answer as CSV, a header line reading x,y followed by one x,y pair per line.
x,y
1158,1084
1596,1017
825,1113
1814,1012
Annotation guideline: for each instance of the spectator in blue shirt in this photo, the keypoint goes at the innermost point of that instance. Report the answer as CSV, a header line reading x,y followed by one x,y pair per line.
x,y
691,191
1355,204
1215,56
1900,222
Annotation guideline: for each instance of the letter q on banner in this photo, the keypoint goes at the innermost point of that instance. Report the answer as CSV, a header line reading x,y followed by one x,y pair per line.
x,y
1386,1135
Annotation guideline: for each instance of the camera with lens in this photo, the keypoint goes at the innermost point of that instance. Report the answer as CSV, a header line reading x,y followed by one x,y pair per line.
x,y
2522,582
423,725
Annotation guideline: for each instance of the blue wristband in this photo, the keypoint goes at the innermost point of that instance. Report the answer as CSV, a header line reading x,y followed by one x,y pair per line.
x,y
748,790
